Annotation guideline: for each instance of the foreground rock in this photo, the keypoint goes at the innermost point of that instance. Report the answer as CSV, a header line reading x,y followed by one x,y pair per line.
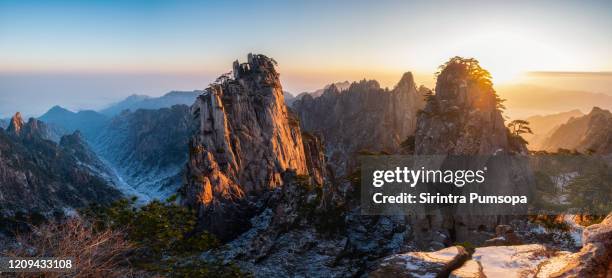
x,y
422,264
535,260
593,260
505,261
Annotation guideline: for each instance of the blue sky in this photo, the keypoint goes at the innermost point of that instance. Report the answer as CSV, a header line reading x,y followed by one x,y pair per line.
x,y
84,54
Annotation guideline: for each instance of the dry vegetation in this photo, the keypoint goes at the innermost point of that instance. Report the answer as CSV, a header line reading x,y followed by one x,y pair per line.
x,y
94,253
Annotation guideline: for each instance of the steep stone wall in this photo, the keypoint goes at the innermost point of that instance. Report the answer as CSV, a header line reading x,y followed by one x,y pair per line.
x,y
364,117
245,141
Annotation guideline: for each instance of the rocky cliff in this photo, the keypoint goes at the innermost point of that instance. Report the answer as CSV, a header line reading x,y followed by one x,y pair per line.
x,y
464,117
38,175
244,142
148,148
363,117
591,133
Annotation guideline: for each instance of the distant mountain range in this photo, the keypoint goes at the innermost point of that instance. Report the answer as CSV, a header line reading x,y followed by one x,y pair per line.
x,y
591,133
64,121
135,102
526,100
543,125
290,99
143,139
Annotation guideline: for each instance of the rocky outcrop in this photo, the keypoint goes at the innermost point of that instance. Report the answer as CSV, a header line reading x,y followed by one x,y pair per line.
x,y
593,260
463,117
363,117
532,260
245,140
32,129
298,232
422,264
591,133
38,175
15,125
148,148
504,235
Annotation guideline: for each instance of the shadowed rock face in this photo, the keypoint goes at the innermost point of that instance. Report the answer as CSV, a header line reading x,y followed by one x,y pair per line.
x,y
363,117
245,140
589,133
148,148
462,118
38,175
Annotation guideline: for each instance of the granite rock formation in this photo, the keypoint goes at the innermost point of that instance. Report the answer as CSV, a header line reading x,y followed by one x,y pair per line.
x,y
591,133
363,117
464,117
39,176
594,259
244,142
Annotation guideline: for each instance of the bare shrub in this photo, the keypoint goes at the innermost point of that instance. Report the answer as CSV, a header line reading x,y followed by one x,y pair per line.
x,y
94,253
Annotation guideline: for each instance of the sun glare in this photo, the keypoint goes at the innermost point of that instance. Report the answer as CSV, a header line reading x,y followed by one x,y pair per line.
x,y
508,53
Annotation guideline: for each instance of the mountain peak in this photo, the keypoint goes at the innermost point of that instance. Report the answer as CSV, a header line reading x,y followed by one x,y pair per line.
x,y
407,80
597,110
255,63
16,124
56,110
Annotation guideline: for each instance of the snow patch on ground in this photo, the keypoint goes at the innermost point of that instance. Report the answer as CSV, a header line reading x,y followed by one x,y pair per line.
x,y
509,261
575,228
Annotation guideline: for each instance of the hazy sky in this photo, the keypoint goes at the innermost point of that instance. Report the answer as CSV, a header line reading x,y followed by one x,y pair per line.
x,y
85,54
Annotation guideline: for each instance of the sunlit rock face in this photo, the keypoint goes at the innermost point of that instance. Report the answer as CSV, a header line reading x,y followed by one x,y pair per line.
x,y
245,141
591,133
363,117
